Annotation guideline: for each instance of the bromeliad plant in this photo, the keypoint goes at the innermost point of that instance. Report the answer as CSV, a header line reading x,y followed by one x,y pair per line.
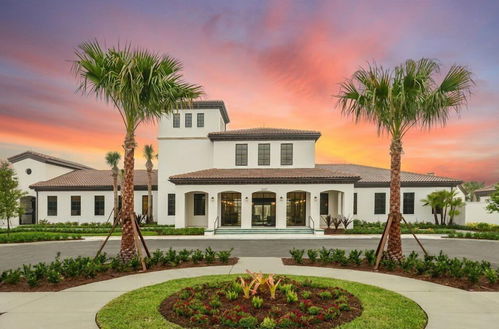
x,y
273,285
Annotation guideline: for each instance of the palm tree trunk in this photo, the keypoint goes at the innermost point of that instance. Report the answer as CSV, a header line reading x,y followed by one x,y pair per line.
x,y
435,215
128,250
394,240
115,193
149,197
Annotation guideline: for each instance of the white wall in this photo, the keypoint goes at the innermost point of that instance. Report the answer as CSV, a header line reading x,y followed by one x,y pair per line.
x,y
365,204
87,205
476,212
212,123
40,171
224,154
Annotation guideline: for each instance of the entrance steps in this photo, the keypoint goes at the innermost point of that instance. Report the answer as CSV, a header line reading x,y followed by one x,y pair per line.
x,y
264,230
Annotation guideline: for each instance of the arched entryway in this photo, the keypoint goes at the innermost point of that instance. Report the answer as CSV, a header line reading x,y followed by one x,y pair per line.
x,y
230,208
331,204
296,208
263,211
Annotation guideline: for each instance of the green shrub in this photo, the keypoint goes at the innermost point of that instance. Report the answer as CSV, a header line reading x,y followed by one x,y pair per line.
x,y
19,237
224,255
306,294
209,255
53,276
297,255
324,255
248,322
257,302
197,256
325,295
491,275
339,256
291,296
314,310
184,255
370,256
231,294
312,255
268,323
11,276
354,257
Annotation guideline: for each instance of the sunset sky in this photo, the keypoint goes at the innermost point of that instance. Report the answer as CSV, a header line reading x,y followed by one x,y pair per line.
x,y
273,63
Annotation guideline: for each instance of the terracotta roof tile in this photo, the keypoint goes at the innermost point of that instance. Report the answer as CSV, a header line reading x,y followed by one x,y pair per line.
x,y
90,179
47,159
265,134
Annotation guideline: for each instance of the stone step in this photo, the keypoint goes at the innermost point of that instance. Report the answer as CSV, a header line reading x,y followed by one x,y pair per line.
x,y
303,230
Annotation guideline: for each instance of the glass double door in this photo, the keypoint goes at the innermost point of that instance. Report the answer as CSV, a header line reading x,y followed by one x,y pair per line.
x,y
230,209
263,209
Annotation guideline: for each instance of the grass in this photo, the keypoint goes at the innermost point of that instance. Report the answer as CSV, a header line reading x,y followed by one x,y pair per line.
x,y
383,309
17,237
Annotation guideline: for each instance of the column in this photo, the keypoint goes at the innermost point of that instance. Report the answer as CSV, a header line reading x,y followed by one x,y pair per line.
x,y
340,203
315,209
213,210
179,210
347,203
280,209
246,210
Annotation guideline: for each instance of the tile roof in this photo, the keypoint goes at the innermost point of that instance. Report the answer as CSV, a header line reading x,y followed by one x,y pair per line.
x,y
264,176
374,176
487,190
46,159
265,134
91,179
212,104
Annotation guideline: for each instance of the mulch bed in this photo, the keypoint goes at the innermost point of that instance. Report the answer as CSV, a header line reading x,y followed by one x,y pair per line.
x,y
482,285
275,308
110,274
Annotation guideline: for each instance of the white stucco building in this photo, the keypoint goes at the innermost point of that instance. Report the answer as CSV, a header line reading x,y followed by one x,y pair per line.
x,y
226,180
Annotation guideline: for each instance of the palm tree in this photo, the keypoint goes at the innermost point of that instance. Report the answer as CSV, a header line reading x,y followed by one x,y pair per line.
x,y
433,200
397,100
143,87
149,155
112,159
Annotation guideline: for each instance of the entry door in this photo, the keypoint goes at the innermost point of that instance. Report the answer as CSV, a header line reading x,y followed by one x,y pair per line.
x,y
263,212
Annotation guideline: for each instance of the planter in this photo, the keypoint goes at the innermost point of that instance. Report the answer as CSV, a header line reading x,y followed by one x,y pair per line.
x,y
333,231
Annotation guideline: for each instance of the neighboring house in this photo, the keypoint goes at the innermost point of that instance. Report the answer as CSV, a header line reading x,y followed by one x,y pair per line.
x,y
476,210
241,179
32,167
484,193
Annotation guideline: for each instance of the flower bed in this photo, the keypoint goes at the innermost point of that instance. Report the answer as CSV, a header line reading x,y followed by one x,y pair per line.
x,y
459,273
65,273
18,237
263,302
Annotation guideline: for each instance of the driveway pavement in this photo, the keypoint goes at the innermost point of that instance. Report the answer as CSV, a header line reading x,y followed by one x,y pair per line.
x,y
76,307
12,256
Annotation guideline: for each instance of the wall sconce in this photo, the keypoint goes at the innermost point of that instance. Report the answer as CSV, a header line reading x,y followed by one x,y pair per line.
x,y
212,198
281,198
315,198
246,198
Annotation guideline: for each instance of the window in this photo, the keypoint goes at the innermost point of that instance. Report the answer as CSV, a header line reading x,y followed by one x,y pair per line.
x,y
355,203
200,120
199,204
188,120
286,154
145,204
241,154
408,207
264,154
379,203
324,204
171,204
75,205
176,120
51,205
99,205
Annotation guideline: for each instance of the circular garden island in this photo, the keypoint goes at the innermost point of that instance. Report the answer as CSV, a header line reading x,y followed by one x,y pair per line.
x,y
261,301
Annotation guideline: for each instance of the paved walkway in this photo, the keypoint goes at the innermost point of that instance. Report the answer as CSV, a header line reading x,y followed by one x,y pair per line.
x,y
75,308
15,255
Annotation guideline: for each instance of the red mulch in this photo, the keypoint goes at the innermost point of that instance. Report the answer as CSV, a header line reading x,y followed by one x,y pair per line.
x,y
463,283
268,308
44,285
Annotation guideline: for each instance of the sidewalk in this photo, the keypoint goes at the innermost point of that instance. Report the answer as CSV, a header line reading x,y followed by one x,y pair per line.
x,y
76,307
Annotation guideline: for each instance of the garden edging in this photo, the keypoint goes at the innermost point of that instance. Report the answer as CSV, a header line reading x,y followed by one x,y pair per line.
x,y
76,307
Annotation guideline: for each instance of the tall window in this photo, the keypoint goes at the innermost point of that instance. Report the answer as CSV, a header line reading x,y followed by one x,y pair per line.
x,y
188,120
99,205
287,154
355,203
408,207
379,203
145,204
176,120
199,204
75,205
264,154
52,205
241,154
200,120
324,204
171,204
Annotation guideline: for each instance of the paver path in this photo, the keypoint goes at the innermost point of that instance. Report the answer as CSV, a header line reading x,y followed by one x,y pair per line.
x,y
13,256
76,307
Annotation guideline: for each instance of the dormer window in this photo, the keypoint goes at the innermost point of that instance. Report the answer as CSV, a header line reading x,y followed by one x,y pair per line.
x,y
188,120
200,120
176,120
286,154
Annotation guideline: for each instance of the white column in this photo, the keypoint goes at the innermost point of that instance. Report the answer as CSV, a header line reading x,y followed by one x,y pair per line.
x,y
340,203
212,210
245,210
179,210
280,209
315,210
347,203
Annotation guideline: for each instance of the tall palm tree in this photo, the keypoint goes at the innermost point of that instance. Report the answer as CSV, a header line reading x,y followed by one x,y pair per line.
x,y
433,201
149,155
112,159
397,100
143,87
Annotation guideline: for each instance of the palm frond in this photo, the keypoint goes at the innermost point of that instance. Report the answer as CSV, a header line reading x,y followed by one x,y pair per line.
x,y
148,152
113,158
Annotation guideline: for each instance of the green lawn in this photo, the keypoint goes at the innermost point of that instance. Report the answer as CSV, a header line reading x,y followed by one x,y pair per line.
x,y
17,237
383,309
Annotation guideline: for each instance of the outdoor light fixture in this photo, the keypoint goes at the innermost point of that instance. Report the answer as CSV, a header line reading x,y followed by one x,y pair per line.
x,y
315,198
280,198
246,198
212,198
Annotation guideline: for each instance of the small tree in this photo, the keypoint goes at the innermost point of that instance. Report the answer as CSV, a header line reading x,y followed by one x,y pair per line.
x,y
432,200
10,194
149,155
112,159
446,203
470,188
493,202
